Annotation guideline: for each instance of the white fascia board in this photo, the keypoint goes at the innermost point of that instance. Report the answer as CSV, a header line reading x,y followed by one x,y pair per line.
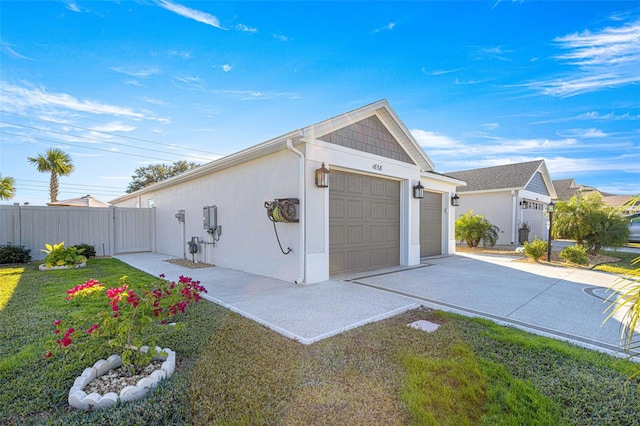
x,y
489,191
443,178
248,154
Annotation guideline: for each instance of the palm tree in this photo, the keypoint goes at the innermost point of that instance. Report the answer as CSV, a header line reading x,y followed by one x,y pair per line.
x,y
7,188
56,162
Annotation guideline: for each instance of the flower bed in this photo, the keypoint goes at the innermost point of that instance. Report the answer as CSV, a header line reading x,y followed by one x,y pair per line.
x,y
79,399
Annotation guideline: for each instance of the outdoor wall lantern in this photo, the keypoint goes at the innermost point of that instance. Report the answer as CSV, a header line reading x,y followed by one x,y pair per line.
x,y
322,177
524,204
418,191
455,200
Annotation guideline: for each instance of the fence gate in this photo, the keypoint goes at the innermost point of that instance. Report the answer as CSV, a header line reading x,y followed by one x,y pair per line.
x,y
133,230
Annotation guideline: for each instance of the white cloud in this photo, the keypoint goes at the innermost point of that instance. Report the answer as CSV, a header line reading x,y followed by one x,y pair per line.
x,y
281,37
73,7
603,59
188,82
584,133
115,126
491,126
16,98
138,73
225,67
431,140
438,72
245,28
390,26
181,54
189,13
6,47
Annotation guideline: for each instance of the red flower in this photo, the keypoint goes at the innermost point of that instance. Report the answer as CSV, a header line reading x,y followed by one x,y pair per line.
x,y
57,322
48,355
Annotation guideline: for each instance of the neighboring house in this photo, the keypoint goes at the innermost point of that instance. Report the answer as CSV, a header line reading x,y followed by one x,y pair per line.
x,y
86,201
567,188
509,196
366,218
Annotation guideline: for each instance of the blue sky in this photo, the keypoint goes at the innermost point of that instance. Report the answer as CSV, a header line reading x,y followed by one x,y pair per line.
x,y
122,84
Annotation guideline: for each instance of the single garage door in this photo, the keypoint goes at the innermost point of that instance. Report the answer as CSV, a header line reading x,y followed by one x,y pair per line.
x,y
431,224
364,223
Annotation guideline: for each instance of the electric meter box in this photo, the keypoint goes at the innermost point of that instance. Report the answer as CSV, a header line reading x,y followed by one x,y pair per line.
x,y
210,217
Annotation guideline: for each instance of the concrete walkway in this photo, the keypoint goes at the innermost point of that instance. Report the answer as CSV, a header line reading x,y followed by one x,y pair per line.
x,y
563,303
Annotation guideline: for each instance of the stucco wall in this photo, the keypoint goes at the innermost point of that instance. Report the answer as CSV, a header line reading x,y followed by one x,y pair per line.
x,y
497,207
248,241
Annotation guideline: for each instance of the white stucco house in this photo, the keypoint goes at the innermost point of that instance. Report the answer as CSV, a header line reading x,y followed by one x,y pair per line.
x,y
365,218
509,196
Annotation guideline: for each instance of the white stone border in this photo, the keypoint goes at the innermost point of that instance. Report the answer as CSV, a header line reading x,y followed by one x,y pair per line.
x,y
44,267
94,401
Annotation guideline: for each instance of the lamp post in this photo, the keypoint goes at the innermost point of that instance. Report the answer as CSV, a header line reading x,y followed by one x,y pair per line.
x,y
550,208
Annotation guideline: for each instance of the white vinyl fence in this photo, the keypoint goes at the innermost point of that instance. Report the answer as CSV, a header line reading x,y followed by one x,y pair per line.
x,y
111,231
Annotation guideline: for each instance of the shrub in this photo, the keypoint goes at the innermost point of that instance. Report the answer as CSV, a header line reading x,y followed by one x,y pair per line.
x,y
575,254
58,255
131,321
475,228
89,250
535,249
14,254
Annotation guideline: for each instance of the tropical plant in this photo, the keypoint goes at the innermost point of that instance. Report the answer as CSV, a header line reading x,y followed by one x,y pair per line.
x,y
575,254
475,228
59,255
626,298
535,249
145,176
588,221
7,187
132,320
14,254
89,251
57,163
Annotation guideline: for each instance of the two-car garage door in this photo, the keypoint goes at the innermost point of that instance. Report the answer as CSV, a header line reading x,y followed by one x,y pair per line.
x,y
364,223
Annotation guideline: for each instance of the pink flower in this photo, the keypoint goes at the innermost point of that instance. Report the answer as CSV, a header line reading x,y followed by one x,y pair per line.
x,y
57,322
48,355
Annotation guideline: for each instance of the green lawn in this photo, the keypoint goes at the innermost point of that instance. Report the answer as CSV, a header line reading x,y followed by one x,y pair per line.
x,y
230,370
624,267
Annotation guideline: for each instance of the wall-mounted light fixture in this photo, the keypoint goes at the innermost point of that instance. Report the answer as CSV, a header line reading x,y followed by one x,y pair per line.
x,y
418,191
524,204
322,177
455,200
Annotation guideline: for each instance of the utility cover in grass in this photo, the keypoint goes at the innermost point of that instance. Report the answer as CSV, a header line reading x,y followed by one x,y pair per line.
x,y
427,326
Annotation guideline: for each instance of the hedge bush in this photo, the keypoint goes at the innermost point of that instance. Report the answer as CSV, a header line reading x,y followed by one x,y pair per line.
x,y
14,254
89,250
535,249
575,254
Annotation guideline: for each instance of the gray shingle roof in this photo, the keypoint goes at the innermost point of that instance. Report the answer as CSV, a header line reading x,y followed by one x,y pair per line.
x,y
510,176
567,188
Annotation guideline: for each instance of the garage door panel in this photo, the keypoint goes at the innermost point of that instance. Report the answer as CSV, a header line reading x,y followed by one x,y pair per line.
x,y
370,226
337,234
356,235
356,209
431,224
377,210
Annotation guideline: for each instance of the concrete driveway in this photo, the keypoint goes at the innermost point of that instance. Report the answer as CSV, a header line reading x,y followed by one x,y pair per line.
x,y
564,303
559,302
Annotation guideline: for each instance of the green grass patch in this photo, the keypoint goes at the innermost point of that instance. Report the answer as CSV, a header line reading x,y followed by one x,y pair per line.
x,y
624,267
232,371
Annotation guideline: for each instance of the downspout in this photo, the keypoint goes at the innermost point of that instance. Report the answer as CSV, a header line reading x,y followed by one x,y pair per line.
x,y
303,191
